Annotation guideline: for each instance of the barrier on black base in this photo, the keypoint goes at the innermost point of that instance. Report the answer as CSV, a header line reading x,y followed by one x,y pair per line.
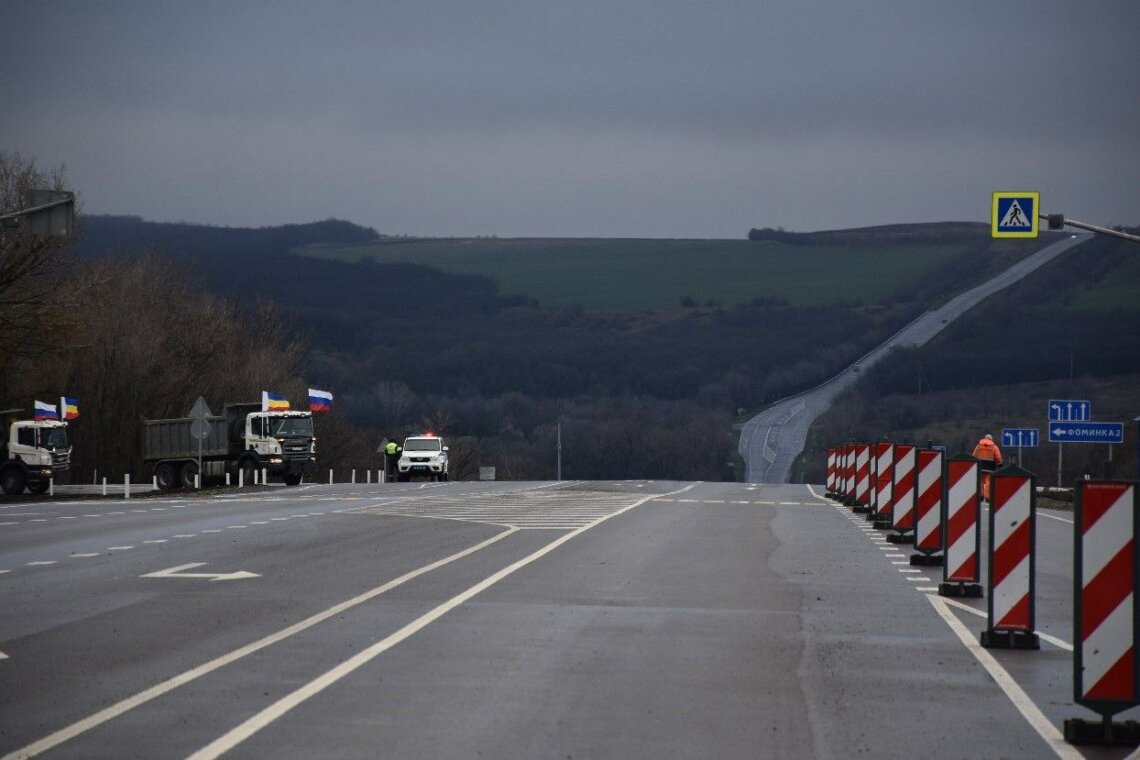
x,y
961,537
884,484
928,509
1106,620
902,503
1013,547
862,477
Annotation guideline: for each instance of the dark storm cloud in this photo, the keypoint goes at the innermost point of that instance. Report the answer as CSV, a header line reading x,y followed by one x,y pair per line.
x,y
589,118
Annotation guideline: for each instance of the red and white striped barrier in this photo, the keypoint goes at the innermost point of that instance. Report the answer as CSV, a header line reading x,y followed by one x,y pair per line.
x,y
928,509
862,476
961,570
1013,534
849,474
902,503
884,483
832,457
1106,678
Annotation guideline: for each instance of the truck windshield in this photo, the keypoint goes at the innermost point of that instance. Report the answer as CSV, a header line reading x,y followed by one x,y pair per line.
x,y
422,444
292,426
54,438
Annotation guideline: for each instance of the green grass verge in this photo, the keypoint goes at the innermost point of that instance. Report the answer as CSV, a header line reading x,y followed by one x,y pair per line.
x,y
647,274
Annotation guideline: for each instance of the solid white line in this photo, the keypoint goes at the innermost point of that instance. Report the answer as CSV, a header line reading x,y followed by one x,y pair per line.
x,y
1015,693
115,710
248,728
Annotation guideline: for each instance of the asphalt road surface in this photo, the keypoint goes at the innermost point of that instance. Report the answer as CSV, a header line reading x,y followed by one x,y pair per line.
x,y
506,620
771,441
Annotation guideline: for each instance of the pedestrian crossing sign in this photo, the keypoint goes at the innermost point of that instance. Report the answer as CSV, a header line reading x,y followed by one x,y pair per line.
x,y
1015,214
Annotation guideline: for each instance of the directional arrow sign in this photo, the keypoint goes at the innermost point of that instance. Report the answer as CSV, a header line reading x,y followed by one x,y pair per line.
x,y
1086,432
1021,437
1070,410
177,572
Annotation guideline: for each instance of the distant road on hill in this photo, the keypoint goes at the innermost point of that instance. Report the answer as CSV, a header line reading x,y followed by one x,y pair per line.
x,y
771,441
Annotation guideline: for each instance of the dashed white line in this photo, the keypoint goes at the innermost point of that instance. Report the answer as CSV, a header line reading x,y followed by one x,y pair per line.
x,y
86,554
119,548
41,562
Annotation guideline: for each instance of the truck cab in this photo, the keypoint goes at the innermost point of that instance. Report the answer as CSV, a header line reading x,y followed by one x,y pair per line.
x,y
33,454
423,456
283,441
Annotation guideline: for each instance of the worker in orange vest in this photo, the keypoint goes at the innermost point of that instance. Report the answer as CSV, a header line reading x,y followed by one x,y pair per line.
x,y
989,459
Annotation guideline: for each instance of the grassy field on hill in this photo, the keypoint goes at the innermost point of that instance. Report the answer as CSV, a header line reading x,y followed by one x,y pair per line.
x,y
647,274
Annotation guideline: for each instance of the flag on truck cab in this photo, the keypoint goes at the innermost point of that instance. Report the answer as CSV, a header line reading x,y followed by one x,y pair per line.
x,y
46,411
69,407
273,402
320,401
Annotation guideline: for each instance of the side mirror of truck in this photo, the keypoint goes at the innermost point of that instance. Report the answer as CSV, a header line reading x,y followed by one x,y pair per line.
x,y
445,448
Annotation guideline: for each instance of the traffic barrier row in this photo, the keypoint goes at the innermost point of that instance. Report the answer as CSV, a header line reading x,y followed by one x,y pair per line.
x,y
921,495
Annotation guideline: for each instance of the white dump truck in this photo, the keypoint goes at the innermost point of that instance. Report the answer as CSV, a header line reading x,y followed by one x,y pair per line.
x,y
33,453
244,439
423,456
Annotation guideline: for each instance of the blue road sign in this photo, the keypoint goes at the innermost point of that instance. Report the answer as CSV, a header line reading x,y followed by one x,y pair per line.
x,y
1020,437
1014,215
1086,432
1070,410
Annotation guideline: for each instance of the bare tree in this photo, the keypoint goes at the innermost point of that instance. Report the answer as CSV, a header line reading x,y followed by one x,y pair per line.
x,y
33,313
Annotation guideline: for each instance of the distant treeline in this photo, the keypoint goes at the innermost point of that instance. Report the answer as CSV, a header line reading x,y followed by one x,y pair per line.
x,y
892,234
404,347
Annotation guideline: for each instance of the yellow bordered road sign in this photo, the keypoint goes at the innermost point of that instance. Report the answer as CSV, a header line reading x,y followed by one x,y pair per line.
x,y
1015,214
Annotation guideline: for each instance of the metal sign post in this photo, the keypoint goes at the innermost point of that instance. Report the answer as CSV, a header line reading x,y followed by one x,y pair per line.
x,y
200,429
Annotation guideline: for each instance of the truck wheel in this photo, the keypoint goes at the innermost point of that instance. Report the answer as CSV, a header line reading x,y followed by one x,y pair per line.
x,y
12,481
186,476
292,480
167,476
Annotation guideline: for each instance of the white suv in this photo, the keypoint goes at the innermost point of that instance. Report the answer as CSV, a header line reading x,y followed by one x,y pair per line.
x,y
423,455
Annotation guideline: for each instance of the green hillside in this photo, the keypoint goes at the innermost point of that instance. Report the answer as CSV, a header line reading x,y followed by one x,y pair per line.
x,y
649,274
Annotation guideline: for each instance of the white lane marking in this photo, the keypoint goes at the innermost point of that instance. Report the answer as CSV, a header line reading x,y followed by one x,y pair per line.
x,y
1015,693
1054,517
258,522
926,588
79,727
918,579
9,523
212,530
179,572
156,541
68,517
41,562
86,554
185,535
1059,643
119,548
248,728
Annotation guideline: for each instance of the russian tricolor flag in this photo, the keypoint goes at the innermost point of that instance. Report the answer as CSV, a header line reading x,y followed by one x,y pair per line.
x,y
273,402
46,411
320,401
69,407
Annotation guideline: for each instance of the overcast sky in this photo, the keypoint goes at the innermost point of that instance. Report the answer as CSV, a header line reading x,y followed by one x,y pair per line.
x,y
583,118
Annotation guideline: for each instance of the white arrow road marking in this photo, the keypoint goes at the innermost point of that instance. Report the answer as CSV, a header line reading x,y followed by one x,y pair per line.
x,y
3,656
176,572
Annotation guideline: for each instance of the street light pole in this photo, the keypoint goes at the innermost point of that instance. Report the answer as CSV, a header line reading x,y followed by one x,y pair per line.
x,y
1057,221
